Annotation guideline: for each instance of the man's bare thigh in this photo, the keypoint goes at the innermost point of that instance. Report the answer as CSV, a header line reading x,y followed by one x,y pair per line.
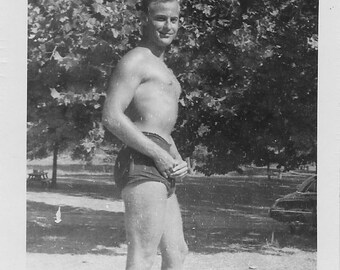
x,y
173,237
145,209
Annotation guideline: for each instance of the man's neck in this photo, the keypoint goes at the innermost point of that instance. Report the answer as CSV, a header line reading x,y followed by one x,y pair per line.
x,y
155,50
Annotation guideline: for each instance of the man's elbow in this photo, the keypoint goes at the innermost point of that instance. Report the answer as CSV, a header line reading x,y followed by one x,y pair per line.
x,y
107,121
105,118
111,123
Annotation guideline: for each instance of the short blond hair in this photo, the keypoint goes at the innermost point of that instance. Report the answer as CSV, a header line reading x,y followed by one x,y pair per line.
x,y
143,5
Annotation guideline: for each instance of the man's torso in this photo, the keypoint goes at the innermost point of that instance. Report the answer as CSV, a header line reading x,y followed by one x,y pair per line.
x,y
154,106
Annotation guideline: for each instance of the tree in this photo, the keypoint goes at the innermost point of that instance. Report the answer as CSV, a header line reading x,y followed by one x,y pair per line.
x,y
247,69
251,82
280,104
72,47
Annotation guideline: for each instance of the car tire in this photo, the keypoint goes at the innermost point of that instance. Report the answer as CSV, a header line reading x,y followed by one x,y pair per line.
x,y
297,227
292,228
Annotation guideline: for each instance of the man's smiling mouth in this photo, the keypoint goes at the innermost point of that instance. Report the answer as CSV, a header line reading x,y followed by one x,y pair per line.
x,y
165,35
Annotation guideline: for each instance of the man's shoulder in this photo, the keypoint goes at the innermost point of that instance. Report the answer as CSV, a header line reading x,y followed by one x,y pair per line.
x,y
134,61
136,56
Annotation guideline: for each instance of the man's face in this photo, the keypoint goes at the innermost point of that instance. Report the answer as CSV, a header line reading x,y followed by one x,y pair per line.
x,y
161,22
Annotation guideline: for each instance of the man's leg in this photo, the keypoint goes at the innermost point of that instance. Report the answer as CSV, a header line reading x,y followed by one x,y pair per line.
x,y
173,246
145,208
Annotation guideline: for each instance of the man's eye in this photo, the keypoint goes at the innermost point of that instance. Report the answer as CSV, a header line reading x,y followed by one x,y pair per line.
x,y
174,20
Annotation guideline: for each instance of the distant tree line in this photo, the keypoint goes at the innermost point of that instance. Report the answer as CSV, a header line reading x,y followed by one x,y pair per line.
x,y
248,70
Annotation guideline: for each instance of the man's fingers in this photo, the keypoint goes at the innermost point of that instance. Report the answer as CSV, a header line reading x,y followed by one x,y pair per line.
x,y
183,174
165,174
180,172
179,176
180,166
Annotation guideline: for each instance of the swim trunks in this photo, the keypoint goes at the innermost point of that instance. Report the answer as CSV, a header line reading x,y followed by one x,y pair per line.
x,y
132,166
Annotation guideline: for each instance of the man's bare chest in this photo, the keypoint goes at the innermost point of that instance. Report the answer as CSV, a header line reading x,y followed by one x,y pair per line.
x,y
163,79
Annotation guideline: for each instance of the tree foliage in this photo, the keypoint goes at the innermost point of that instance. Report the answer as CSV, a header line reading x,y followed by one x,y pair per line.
x,y
72,46
248,70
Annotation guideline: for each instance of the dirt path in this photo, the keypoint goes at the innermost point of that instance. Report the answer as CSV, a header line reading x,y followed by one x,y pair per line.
x,y
230,261
58,199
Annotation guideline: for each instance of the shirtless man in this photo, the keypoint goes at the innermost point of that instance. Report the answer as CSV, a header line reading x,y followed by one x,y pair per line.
x,y
141,110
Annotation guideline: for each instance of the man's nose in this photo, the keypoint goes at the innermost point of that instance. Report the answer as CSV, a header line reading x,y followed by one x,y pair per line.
x,y
167,25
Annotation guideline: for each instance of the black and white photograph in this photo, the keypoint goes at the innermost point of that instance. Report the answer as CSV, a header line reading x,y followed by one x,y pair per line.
x,y
173,135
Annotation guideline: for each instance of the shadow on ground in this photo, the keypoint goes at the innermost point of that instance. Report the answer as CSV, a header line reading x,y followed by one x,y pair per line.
x,y
232,215
81,230
219,214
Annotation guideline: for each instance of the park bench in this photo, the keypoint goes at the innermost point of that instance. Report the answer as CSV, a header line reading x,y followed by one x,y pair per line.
x,y
39,176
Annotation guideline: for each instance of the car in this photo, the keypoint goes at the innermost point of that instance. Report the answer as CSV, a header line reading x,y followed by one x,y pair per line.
x,y
298,208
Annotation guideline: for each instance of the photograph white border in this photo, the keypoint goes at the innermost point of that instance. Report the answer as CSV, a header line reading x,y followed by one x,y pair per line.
x,y
13,21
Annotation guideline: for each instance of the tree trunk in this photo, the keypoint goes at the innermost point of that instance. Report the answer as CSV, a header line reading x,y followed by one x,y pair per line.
x,y
193,165
190,171
268,170
54,168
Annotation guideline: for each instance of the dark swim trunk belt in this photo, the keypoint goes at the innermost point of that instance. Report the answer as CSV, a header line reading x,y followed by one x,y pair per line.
x,y
132,166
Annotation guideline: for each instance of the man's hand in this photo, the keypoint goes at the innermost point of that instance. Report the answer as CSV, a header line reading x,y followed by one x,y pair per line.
x,y
165,164
180,170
